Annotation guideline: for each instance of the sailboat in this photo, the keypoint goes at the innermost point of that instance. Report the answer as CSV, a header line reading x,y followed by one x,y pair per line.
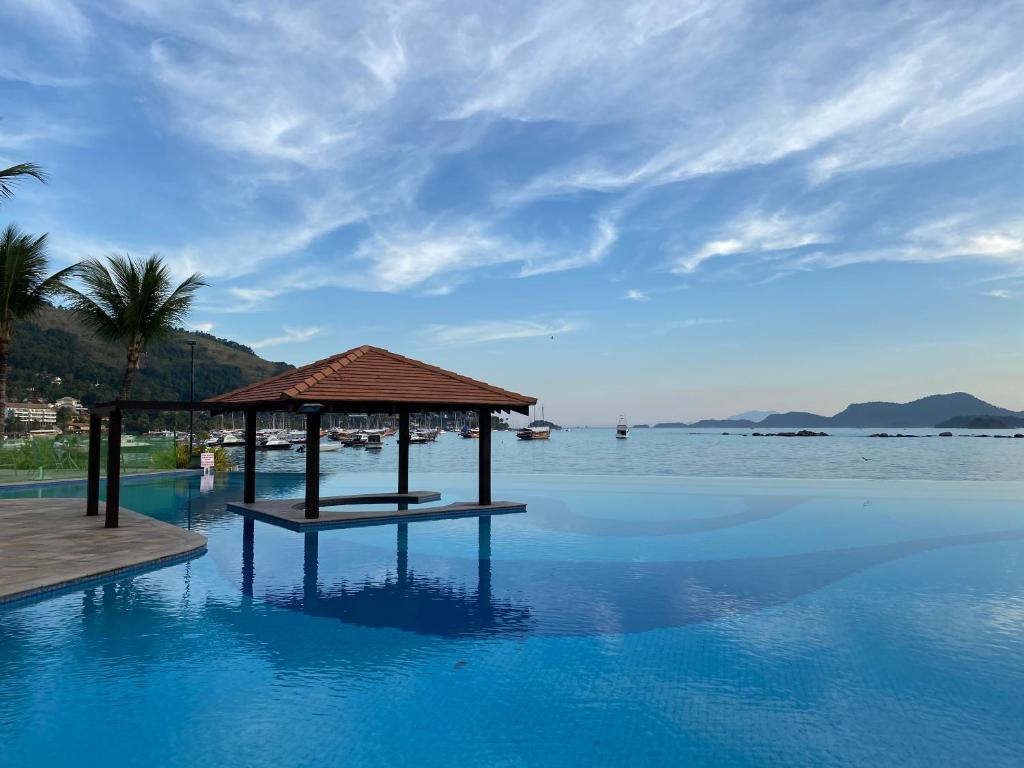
x,y
535,433
622,429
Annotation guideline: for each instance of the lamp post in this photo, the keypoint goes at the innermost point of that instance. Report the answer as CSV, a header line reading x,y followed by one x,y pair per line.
x,y
191,397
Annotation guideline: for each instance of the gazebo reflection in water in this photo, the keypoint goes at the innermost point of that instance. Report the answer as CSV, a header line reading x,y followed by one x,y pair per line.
x,y
405,600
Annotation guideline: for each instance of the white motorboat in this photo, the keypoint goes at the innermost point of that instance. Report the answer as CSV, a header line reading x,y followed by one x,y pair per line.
x,y
273,443
622,429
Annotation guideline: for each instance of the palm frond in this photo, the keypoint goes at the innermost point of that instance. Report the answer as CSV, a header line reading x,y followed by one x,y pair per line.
x,y
8,176
24,285
131,300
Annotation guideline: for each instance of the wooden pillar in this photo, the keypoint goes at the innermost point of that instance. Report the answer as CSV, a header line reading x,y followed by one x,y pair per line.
x,y
113,470
403,451
92,486
249,481
484,415
312,465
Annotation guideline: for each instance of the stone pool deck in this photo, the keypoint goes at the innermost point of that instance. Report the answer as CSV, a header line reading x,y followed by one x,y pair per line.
x,y
290,513
49,544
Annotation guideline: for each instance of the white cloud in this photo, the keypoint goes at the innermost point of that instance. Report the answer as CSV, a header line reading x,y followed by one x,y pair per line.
x,y
59,18
636,295
347,118
759,232
998,293
289,336
204,327
497,330
603,240
953,237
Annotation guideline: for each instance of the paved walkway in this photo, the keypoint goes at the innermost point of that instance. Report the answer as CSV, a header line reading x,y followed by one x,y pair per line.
x,y
48,544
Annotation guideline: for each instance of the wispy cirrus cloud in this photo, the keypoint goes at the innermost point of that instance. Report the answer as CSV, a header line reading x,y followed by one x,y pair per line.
x,y
289,336
497,330
759,232
382,146
998,293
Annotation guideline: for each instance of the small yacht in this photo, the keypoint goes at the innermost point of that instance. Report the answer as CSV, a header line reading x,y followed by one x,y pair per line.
x,y
232,438
622,429
418,436
273,443
296,436
469,432
373,442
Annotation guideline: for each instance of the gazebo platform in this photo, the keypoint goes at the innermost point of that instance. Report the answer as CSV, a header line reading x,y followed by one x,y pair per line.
x,y
47,545
290,513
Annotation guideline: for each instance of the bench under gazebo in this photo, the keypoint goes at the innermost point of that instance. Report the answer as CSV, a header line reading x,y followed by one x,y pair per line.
x,y
363,380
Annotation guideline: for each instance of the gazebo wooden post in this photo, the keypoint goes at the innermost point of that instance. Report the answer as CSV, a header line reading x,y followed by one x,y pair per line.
x,y
92,486
484,415
403,450
312,504
111,517
249,480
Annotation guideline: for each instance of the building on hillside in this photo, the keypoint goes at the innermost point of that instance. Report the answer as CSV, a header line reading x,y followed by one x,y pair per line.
x,y
70,402
32,413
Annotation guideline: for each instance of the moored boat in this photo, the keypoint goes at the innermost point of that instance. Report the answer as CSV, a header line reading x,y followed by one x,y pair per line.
x,y
534,433
273,443
622,429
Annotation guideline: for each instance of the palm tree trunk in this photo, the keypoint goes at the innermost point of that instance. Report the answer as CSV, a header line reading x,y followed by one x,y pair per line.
x,y
5,350
129,371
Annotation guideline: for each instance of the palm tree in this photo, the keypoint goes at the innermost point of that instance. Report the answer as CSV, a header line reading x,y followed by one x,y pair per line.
x,y
131,301
9,175
24,290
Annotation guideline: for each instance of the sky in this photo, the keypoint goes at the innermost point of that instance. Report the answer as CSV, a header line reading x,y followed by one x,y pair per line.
x,y
666,210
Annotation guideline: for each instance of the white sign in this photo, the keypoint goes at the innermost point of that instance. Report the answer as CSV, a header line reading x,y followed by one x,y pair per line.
x,y
206,461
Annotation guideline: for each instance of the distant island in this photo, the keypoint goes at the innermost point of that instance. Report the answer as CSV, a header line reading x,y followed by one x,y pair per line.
x,y
958,410
543,423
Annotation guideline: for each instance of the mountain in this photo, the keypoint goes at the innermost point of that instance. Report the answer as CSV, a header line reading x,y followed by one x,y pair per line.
x,y
798,419
982,422
926,412
754,416
54,345
953,410
723,424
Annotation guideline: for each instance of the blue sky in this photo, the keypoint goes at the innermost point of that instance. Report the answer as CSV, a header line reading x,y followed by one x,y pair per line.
x,y
672,210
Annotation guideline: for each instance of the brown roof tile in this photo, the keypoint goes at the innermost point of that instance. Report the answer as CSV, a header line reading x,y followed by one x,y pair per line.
x,y
373,375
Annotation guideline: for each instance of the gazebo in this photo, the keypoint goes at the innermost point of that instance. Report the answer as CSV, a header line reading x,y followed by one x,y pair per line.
x,y
365,379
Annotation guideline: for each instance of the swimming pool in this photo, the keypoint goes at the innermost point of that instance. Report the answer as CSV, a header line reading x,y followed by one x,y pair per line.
x,y
620,621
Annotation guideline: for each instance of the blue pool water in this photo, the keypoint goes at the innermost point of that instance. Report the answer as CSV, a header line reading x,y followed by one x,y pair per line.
x,y
620,621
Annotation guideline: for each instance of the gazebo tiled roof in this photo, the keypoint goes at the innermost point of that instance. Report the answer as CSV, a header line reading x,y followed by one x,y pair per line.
x,y
366,376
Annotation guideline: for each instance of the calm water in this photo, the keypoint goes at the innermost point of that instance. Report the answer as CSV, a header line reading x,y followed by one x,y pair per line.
x,y
621,621
846,453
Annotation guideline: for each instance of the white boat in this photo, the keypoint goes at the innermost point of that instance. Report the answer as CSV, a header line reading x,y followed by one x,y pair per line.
x,y
296,436
373,442
622,429
232,438
273,443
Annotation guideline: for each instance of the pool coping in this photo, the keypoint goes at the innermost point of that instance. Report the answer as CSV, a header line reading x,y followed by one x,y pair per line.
x,y
53,547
